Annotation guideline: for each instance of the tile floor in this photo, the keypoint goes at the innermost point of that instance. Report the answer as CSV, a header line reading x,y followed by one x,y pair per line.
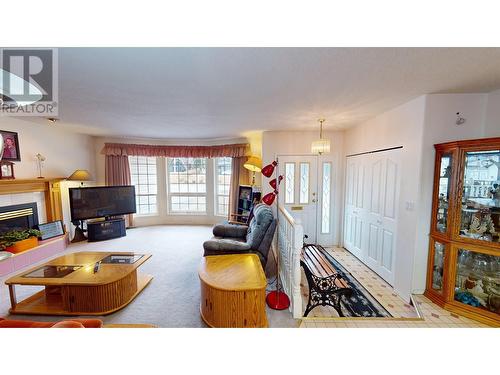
x,y
425,314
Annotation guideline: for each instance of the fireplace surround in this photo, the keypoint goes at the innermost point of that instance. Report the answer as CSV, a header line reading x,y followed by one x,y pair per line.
x,y
18,217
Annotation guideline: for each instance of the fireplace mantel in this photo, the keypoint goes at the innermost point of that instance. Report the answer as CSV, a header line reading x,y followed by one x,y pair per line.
x,y
50,187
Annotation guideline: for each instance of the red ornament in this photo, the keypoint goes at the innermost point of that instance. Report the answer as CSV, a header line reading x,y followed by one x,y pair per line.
x,y
269,169
269,198
273,182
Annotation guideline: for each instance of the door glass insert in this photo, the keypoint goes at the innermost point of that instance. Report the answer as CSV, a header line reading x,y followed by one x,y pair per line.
x,y
438,266
478,280
304,183
325,198
289,183
480,218
444,193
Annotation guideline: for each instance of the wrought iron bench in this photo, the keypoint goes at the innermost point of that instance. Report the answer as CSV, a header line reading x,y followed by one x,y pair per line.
x,y
326,285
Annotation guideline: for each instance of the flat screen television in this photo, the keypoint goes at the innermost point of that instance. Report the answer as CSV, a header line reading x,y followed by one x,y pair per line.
x,y
103,201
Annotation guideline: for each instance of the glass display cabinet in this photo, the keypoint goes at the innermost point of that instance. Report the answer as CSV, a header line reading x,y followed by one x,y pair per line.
x,y
463,273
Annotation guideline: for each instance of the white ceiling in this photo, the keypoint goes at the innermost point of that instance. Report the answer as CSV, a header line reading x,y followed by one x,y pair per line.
x,y
226,92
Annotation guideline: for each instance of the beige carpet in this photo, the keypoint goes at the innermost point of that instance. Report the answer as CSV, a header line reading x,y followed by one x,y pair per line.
x,y
172,298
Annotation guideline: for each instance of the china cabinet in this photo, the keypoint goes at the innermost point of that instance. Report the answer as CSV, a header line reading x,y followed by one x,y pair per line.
x,y
463,272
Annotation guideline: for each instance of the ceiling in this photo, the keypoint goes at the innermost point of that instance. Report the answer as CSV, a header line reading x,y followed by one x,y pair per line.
x,y
226,92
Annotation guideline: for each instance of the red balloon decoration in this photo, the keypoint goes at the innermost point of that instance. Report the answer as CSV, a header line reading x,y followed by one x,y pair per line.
x,y
269,198
269,169
273,182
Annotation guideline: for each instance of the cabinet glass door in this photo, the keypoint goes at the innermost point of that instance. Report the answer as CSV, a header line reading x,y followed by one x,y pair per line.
x,y
480,218
444,193
477,282
438,267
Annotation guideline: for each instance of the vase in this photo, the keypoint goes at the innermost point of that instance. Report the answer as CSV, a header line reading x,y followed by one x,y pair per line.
x,y
23,245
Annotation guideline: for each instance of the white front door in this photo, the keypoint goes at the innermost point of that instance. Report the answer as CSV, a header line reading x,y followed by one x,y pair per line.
x,y
298,191
372,194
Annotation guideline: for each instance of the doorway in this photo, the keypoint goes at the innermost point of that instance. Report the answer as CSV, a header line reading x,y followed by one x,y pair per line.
x,y
305,192
371,205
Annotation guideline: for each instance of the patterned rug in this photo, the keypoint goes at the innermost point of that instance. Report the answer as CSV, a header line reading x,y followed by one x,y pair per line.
x,y
361,303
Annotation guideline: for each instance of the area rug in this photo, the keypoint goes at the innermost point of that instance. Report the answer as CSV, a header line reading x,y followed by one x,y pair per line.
x,y
361,303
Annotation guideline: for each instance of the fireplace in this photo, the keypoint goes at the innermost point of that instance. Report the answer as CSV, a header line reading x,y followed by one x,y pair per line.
x,y
18,217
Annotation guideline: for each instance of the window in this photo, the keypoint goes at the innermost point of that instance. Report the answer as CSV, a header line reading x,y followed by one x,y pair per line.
x,y
143,177
289,183
304,183
187,183
222,183
325,207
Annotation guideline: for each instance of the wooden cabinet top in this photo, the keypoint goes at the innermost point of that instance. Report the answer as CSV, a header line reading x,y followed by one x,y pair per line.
x,y
233,272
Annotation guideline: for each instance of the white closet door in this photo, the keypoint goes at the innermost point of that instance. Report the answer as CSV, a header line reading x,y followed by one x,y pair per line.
x,y
377,214
354,215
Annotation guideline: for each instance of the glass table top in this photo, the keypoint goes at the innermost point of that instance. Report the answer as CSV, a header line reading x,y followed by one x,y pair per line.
x,y
52,271
121,259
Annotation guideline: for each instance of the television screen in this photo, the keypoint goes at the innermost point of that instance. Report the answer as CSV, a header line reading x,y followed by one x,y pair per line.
x,y
94,202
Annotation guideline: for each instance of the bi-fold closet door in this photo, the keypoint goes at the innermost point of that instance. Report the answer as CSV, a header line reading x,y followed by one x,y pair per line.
x,y
371,205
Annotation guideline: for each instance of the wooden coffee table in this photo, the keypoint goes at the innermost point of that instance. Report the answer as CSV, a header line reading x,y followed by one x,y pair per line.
x,y
73,288
233,291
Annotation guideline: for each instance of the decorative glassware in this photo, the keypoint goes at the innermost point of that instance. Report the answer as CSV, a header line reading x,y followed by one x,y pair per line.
x,y
480,218
477,282
437,271
444,193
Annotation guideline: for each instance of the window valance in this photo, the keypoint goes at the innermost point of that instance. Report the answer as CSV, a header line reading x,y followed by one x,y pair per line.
x,y
128,149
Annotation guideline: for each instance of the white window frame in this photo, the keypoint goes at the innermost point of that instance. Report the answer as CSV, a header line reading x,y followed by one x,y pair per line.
x,y
171,194
216,187
135,160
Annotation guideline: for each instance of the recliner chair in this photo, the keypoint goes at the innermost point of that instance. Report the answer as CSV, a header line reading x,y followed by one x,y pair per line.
x,y
240,239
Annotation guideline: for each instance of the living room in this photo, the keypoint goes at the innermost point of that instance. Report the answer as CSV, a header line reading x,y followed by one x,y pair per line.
x,y
319,187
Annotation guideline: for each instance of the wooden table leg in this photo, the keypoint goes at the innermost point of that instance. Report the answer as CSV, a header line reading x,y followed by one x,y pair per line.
x,y
12,293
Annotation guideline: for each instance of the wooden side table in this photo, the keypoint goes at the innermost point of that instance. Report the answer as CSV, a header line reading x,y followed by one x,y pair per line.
x,y
233,291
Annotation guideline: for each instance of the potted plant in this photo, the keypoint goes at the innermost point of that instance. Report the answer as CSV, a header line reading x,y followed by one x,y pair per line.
x,y
17,241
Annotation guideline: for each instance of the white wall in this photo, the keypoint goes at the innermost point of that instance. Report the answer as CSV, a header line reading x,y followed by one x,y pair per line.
x,y
65,151
440,126
492,117
402,126
299,142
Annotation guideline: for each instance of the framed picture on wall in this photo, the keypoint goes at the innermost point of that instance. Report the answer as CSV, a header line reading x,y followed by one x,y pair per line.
x,y
10,146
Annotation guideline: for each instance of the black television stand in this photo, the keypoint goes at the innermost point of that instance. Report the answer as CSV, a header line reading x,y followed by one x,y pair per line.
x,y
106,229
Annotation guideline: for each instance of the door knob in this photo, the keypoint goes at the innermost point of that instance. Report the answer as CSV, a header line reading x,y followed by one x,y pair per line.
x,y
313,200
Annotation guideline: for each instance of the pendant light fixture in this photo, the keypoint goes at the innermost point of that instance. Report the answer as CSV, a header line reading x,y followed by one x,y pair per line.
x,y
321,146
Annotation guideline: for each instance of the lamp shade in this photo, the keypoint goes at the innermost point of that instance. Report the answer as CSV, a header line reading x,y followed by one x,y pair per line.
x,y
321,146
269,198
80,175
269,169
253,164
273,182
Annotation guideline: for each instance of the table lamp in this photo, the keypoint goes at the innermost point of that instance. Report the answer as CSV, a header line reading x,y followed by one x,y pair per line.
x,y
80,175
253,164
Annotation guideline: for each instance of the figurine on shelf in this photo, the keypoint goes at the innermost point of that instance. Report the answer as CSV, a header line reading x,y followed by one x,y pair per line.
x,y
447,172
478,292
477,227
494,192
467,298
